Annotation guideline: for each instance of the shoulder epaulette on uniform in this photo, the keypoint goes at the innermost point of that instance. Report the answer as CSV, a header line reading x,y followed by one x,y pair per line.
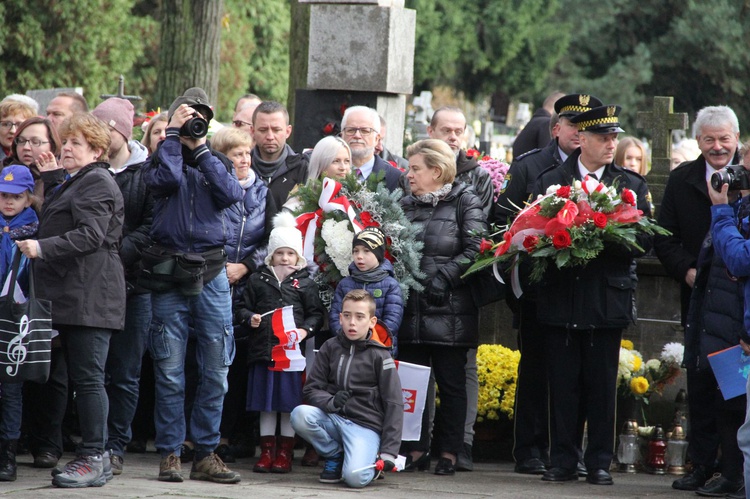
x,y
631,172
526,154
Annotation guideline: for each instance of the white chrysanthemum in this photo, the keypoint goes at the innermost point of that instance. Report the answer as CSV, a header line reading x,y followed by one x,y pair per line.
x,y
626,364
623,373
653,365
338,239
672,353
553,188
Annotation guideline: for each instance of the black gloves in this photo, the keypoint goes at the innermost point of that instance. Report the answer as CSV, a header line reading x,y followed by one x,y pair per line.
x,y
339,400
437,290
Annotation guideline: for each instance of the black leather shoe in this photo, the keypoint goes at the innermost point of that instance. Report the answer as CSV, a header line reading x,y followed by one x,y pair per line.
x,y
45,460
718,486
531,466
559,475
444,466
599,477
693,480
422,463
581,470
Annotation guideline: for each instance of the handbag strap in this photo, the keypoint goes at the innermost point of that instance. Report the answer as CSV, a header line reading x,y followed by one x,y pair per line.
x,y
14,269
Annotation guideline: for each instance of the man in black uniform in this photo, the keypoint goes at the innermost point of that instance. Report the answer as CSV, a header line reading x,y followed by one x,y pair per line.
x,y
519,181
530,431
584,310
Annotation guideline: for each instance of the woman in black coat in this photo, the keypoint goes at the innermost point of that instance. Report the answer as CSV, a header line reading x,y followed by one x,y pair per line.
x,y
77,267
441,323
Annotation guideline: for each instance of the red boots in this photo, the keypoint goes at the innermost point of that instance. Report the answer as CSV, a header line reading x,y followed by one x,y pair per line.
x,y
284,455
267,455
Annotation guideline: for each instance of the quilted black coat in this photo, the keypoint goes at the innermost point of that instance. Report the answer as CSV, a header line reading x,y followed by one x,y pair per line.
x,y
451,243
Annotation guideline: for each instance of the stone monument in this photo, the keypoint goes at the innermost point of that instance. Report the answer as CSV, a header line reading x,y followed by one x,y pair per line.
x,y
360,52
661,120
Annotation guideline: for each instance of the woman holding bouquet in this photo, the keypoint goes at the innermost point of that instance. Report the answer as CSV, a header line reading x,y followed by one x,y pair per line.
x,y
441,323
585,308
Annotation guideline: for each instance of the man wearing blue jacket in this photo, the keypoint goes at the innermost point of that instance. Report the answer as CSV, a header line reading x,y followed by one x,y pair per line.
x,y
192,188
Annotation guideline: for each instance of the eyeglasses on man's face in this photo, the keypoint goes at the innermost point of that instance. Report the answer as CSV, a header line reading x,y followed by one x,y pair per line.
x,y
351,131
240,123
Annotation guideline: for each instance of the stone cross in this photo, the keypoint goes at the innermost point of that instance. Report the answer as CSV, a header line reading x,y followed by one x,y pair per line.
x,y
121,92
661,121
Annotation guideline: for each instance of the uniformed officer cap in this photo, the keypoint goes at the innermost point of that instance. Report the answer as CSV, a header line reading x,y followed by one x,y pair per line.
x,y
575,104
602,119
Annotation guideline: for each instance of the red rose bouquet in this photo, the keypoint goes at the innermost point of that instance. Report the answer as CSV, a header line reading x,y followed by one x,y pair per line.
x,y
569,226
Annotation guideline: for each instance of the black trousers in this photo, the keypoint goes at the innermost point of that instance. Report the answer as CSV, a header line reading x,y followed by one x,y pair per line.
x,y
449,367
44,406
530,428
714,423
582,375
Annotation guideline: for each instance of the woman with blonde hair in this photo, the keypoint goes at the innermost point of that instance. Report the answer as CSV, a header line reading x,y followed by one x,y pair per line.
x,y
441,323
156,131
331,157
631,154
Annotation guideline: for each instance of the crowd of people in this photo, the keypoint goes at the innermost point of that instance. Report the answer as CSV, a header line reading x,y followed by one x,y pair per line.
x,y
184,251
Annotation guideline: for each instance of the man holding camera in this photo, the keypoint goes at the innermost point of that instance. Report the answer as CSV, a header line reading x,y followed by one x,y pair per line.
x,y
686,212
192,188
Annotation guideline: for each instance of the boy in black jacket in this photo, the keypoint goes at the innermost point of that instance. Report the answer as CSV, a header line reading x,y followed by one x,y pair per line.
x,y
356,404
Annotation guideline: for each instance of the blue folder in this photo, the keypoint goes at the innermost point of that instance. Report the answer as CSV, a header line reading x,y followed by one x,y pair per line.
x,y
731,367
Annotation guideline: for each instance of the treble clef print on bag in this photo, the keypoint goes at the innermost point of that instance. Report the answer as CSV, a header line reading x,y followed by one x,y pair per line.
x,y
16,349
25,332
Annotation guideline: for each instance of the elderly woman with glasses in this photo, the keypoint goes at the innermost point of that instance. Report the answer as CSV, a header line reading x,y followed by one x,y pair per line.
x,y
12,115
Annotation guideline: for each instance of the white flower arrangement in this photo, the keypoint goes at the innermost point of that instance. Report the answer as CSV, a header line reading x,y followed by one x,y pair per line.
x,y
338,238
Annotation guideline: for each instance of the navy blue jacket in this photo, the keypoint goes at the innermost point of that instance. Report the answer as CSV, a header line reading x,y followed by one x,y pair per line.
x,y
389,302
392,174
191,191
249,218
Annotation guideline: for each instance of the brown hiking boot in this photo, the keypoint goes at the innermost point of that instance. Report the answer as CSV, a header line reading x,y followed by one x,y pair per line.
x,y
213,469
170,469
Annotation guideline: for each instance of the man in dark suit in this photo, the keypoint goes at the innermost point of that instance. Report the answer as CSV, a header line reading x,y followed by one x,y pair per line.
x,y
584,310
686,212
530,430
360,128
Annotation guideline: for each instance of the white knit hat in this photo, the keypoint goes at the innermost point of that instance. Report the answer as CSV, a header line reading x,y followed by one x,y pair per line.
x,y
285,235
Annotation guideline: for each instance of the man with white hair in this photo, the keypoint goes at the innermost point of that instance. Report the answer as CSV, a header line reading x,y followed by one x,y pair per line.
x,y
360,128
685,211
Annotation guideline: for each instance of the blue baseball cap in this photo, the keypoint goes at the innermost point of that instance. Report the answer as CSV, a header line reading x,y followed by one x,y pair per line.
x,y
16,179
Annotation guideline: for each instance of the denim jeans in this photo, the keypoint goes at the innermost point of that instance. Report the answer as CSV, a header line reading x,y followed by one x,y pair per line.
x,y
11,408
330,434
210,313
126,350
85,351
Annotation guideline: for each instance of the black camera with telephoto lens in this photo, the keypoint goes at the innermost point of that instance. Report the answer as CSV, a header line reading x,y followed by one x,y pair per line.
x,y
196,127
735,175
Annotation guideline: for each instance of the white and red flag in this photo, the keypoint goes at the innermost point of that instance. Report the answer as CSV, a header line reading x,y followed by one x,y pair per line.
x,y
287,355
414,382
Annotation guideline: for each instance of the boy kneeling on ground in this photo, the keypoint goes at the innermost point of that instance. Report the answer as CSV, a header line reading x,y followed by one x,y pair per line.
x,y
356,408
